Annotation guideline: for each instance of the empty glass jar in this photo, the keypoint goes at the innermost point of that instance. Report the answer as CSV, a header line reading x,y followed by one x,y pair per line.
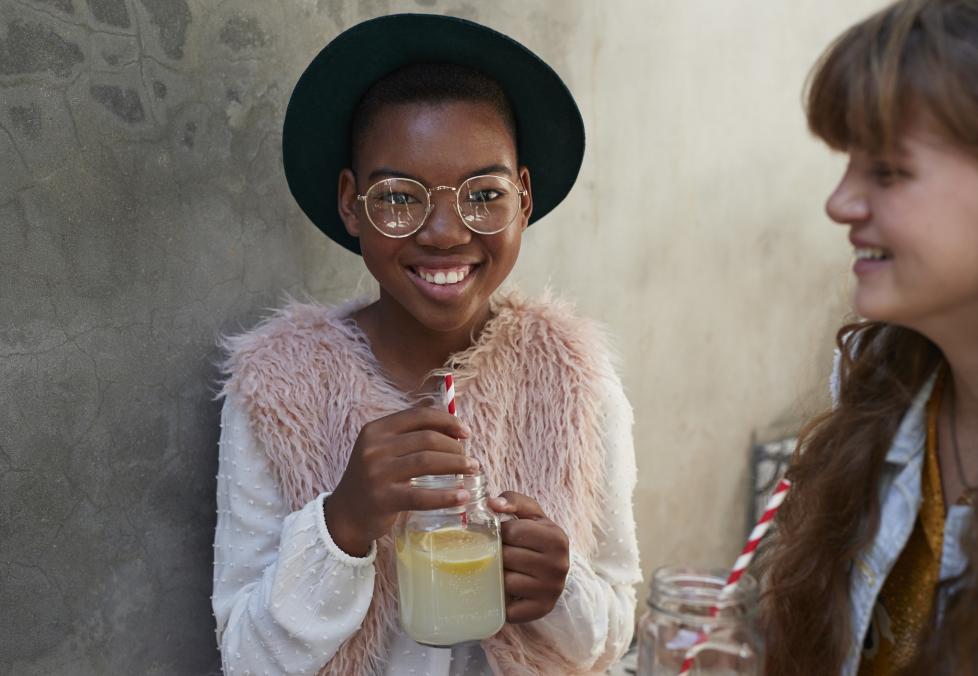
x,y
680,611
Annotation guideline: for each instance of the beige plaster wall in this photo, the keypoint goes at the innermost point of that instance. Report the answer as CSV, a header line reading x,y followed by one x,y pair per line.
x,y
698,234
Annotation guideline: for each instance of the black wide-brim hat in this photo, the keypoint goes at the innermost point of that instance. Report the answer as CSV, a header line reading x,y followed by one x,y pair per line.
x,y
315,137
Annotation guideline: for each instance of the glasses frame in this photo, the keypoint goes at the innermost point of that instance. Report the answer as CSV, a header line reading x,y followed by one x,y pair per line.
x,y
520,192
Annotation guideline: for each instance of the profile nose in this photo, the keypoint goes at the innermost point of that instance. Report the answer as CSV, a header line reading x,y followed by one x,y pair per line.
x,y
443,228
848,203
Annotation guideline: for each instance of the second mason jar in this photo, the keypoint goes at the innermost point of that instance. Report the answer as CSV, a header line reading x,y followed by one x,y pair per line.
x,y
688,616
449,567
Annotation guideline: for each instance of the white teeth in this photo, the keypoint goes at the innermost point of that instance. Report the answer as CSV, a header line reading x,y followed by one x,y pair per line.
x,y
443,278
871,254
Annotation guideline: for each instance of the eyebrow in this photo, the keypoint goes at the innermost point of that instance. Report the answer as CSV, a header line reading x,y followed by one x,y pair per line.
x,y
389,172
492,169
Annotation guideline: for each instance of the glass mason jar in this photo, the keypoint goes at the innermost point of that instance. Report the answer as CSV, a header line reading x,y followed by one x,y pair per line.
x,y
449,567
680,608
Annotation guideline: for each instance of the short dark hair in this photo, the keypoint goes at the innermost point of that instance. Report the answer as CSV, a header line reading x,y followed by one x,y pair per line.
x,y
430,83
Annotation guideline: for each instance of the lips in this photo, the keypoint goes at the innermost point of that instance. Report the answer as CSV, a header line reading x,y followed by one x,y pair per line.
x,y
869,256
865,249
443,283
870,259
872,253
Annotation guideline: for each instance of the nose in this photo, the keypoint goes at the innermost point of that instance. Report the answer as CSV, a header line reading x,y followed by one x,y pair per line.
x,y
443,229
848,204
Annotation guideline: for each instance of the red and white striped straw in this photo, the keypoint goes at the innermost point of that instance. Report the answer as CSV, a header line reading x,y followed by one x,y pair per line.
x,y
447,388
448,392
742,563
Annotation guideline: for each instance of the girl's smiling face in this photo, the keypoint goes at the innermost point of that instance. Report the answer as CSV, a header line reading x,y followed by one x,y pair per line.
x,y
913,220
436,144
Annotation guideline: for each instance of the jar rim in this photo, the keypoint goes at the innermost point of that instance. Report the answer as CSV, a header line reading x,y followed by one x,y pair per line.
x,y
699,589
475,484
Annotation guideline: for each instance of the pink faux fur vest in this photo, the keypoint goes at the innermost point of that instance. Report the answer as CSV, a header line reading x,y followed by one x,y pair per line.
x,y
528,389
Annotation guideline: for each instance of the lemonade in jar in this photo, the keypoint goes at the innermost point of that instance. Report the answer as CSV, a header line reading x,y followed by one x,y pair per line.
x,y
449,567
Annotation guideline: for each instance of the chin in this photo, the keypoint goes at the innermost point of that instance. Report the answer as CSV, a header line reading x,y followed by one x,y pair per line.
x,y
879,308
875,312
445,324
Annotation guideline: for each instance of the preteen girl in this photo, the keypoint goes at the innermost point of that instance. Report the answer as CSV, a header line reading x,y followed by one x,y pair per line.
x,y
873,567
427,144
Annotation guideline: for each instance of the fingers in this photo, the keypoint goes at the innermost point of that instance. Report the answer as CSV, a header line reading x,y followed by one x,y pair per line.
x,y
552,565
424,440
528,598
390,451
420,499
511,502
519,611
423,463
536,561
423,418
520,586
540,535
533,583
501,506
397,457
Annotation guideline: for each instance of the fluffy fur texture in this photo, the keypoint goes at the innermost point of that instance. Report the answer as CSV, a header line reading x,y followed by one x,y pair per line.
x,y
528,389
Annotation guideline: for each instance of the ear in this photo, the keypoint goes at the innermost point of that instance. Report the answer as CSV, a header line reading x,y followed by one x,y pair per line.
x,y
526,209
347,203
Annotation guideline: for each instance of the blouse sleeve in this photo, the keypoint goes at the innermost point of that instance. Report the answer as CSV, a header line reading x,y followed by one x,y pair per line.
x,y
285,596
593,621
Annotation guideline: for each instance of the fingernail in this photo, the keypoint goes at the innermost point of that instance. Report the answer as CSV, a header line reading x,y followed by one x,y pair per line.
x,y
473,464
501,501
462,496
465,431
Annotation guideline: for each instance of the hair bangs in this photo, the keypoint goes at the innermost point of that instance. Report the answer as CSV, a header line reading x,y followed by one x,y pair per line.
x,y
852,99
915,58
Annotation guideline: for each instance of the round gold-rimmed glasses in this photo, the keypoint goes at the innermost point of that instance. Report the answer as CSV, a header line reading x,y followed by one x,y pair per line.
x,y
398,207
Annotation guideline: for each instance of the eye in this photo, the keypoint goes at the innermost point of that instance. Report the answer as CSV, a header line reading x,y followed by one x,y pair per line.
x,y
887,173
397,198
883,173
486,195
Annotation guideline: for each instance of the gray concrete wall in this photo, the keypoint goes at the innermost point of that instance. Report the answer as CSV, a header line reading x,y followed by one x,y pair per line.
x,y
143,212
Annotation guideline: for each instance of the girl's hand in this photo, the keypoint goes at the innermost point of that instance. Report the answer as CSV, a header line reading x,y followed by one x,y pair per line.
x,y
536,558
388,453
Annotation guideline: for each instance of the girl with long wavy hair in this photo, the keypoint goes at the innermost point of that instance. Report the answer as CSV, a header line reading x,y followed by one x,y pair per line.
x,y
872,570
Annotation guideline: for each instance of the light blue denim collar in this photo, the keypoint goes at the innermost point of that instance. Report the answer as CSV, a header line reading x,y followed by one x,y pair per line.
x,y
911,436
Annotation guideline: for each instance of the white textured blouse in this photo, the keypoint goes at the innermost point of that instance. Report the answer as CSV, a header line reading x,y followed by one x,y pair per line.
x,y
286,597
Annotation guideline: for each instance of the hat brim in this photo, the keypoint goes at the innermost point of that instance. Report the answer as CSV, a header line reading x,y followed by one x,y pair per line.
x,y
315,136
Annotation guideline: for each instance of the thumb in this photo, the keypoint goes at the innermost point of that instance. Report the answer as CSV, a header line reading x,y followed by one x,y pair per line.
x,y
511,502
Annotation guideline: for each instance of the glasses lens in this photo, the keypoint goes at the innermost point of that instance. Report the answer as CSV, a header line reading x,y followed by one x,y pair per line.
x,y
397,206
488,203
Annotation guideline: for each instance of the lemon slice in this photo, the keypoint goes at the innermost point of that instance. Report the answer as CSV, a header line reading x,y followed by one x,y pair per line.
x,y
457,551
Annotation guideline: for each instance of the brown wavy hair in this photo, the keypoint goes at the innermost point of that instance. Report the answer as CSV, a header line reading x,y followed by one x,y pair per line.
x,y
916,57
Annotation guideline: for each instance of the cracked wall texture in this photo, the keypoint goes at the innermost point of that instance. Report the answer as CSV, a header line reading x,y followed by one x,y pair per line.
x,y
143,213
